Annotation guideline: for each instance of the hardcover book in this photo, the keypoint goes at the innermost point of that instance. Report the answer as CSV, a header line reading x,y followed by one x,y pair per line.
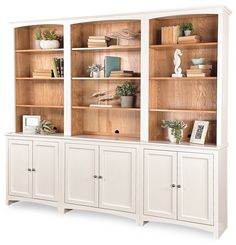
x,y
111,64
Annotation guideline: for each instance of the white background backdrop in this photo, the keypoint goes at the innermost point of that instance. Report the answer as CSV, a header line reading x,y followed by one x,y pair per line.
x,y
35,224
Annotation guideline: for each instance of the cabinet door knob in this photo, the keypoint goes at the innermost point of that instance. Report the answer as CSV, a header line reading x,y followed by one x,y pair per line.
x,y
95,176
100,177
173,185
33,169
29,169
178,186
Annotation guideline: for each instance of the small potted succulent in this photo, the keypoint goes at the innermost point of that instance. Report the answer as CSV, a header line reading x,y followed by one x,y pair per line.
x,y
95,70
49,40
175,130
37,37
126,92
187,28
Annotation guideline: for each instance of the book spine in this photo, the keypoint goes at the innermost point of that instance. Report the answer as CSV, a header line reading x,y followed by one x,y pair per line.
x,y
62,67
58,67
54,67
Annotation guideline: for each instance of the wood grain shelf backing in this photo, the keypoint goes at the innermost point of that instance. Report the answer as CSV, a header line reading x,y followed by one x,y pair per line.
x,y
45,78
106,122
185,46
183,110
105,78
156,132
200,22
105,108
42,106
39,51
81,61
80,32
184,78
82,92
25,41
55,116
116,48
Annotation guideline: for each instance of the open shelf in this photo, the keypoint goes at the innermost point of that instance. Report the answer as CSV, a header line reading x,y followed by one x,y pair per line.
x,y
183,78
104,108
42,106
182,110
106,78
40,51
45,78
116,48
186,45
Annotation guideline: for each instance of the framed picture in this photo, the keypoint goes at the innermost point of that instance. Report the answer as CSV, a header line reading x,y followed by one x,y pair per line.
x,y
199,132
30,123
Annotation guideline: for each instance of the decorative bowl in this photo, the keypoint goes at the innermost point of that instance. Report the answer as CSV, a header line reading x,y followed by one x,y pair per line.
x,y
198,61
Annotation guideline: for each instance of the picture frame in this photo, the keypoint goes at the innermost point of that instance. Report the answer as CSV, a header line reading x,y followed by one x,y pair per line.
x,y
30,123
199,132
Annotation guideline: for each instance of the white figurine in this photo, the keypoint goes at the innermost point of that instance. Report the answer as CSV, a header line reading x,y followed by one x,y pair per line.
x,y
177,61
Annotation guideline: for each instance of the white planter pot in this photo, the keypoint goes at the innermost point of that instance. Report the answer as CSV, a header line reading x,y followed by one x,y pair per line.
x,y
49,44
127,101
37,44
96,74
187,33
171,137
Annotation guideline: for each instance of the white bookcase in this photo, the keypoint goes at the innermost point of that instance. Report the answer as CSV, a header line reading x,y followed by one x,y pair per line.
x,y
136,173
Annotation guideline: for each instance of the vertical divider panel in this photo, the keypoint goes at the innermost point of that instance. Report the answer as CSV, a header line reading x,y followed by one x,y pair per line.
x,y
144,87
67,79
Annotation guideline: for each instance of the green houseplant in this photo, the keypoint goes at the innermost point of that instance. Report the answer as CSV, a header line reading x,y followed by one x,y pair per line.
x,y
37,37
95,70
49,40
175,130
187,28
126,92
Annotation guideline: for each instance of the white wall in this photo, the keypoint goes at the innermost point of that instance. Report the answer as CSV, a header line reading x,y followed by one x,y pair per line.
x,y
24,224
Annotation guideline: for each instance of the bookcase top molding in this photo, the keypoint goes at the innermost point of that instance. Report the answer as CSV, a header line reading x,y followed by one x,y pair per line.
x,y
140,15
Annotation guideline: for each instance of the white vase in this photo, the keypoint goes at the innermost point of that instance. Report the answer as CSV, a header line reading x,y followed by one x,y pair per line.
x,y
37,44
187,32
49,44
96,74
171,137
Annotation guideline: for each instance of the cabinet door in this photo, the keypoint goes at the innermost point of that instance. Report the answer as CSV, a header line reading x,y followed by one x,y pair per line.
x,y
195,193
117,182
160,174
45,170
81,168
20,162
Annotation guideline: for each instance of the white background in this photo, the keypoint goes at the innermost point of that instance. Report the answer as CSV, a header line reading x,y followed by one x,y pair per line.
x,y
24,223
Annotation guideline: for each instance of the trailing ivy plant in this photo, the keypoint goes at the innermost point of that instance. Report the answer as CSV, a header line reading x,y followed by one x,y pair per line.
x,y
95,68
126,89
176,127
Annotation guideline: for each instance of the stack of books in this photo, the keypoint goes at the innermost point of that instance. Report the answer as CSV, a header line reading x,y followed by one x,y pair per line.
x,y
170,34
43,73
98,41
57,67
189,39
123,73
199,71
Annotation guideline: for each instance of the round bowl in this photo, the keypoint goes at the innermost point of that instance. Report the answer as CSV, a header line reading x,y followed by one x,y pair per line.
x,y
198,61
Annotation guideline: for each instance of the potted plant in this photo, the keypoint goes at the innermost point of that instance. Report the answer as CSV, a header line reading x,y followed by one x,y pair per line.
x,y
187,28
37,36
175,130
49,40
95,70
126,92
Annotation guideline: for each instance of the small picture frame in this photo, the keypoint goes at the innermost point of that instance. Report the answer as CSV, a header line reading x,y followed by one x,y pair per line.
x,y
199,132
30,123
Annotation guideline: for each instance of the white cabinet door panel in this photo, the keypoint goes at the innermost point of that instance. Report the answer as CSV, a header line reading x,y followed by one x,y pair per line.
x,y
195,195
81,165
20,160
117,185
46,165
160,173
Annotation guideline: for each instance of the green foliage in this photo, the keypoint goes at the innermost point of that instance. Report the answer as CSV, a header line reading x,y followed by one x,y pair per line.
x,y
176,128
37,35
95,68
126,89
187,26
49,35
